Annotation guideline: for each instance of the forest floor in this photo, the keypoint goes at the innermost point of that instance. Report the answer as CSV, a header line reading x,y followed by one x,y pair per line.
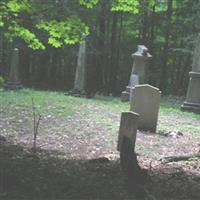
x,y
76,156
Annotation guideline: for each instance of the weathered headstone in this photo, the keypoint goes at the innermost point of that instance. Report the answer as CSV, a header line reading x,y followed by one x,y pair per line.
x,y
138,74
126,146
192,102
80,76
146,101
13,81
128,128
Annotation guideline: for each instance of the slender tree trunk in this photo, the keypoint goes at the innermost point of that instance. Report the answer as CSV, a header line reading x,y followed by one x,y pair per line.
x,y
165,70
112,60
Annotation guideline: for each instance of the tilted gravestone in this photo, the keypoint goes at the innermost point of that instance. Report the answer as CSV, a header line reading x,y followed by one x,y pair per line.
x,y
192,102
146,101
126,146
128,128
13,81
138,74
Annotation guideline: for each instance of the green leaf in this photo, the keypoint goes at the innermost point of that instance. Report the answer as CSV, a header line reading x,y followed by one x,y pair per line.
x,y
1,23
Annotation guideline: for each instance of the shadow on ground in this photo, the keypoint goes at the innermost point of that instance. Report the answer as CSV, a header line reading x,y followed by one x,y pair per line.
x,y
53,175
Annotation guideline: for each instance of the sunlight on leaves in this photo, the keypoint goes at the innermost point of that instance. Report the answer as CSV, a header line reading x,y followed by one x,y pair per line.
x,y
66,32
130,6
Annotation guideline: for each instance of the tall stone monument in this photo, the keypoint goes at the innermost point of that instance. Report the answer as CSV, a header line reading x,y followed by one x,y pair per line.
x,y
13,81
138,73
192,102
80,76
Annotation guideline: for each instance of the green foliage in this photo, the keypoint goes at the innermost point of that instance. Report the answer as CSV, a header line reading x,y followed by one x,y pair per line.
x,y
16,6
88,3
130,6
67,32
1,23
15,30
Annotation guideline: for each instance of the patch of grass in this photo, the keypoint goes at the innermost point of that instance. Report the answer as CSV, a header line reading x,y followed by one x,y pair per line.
x,y
172,118
100,108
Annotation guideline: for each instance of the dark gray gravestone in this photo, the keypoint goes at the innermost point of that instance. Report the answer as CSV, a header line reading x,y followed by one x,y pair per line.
x,y
13,81
192,102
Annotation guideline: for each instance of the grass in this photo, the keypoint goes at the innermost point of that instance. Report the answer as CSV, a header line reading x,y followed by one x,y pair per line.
x,y
56,103
172,118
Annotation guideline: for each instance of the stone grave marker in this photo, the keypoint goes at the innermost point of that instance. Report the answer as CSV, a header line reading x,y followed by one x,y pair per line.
x,y
126,146
128,128
13,81
138,74
192,102
146,101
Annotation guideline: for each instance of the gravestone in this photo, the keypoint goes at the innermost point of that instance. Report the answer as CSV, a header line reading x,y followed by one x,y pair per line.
x,y
128,128
126,146
13,81
192,102
138,74
80,75
146,101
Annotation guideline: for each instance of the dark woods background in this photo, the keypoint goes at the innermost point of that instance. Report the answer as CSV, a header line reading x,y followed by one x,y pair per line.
x,y
168,28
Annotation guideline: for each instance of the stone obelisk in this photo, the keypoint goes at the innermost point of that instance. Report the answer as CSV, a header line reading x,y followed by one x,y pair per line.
x,y
138,74
80,75
13,81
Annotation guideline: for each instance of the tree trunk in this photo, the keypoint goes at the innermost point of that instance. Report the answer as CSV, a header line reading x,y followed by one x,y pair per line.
x,y
165,70
113,50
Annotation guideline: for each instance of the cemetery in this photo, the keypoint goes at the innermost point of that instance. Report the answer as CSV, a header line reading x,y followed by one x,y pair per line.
x,y
100,103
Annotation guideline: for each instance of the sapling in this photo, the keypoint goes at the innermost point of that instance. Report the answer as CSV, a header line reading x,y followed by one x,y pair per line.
x,y
36,122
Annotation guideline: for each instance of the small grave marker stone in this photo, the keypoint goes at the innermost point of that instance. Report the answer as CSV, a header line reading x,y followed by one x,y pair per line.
x,y
146,101
128,128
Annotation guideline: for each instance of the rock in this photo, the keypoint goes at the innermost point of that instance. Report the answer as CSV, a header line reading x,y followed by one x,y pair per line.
x,y
2,138
174,134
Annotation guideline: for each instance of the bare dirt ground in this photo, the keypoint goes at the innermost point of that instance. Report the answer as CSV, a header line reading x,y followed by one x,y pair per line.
x,y
72,149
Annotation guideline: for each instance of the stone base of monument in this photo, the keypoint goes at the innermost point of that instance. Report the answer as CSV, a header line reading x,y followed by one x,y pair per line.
x,y
125,95
192,102
193,107
13,85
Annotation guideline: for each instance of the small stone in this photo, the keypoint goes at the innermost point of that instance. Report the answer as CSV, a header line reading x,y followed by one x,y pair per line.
x,y
2,138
